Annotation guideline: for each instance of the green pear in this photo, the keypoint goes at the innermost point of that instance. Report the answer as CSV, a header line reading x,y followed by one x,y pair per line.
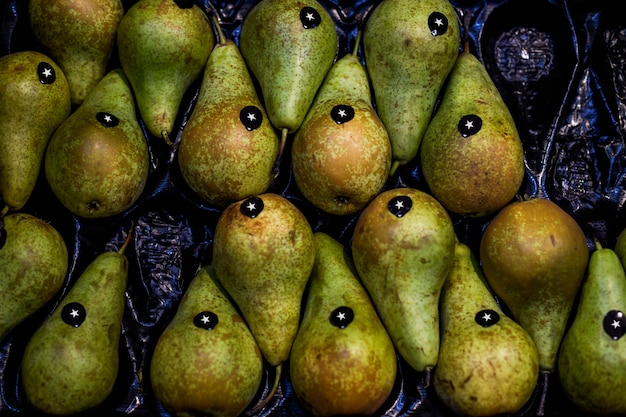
x,y
206,360
488,364
341,155
410,47
592,356
403,248
97,161
471,154
71,362
80,36
34,100
228,147
289,47
163,47
263,254
33,264
620,247
343,361
534,256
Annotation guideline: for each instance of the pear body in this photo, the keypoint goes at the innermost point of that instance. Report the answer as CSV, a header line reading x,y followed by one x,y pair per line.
x,y
488,364
263,254
343,361
163,49
410,47
592,356
80,36
620,247
289,47
33,264
228,146
97,161
534,256
471,153
34,100
70,364
209,347
341,155
403,248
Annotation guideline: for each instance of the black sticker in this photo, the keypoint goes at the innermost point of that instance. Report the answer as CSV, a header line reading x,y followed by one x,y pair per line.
x,y
73,314
615,324
251,207
107,119
206,320
310,18
437,23
251,117
342,113
487,318
341,317
47,74
469,125
400,205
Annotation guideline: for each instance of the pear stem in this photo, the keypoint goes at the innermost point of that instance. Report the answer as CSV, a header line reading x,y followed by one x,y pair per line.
x,y
357,42
271,392
394,167
220,32
126,242
281,150
166,136
597,243
4,211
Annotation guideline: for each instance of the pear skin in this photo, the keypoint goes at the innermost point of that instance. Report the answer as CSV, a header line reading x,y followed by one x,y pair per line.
x,y
206,360
488,364
403,248
534,256
34,100
97,161
341,155
80,36
33,264
620,247
343,361
592,356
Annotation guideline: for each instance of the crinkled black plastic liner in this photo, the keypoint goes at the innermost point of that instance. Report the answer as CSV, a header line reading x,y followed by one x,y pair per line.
x,y
561,68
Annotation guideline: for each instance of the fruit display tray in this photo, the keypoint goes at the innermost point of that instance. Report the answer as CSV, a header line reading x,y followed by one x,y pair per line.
x,y
560,66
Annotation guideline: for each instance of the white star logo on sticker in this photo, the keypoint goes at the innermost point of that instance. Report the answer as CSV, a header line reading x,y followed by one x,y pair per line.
x,y
107,118
47,72
341,316
439,22
251,116
487,317
469,124
74,313
399,204
205,319
310,16
342,113
251,206
615,324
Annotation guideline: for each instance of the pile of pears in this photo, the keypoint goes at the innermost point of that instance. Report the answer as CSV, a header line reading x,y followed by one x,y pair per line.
x,y
346,319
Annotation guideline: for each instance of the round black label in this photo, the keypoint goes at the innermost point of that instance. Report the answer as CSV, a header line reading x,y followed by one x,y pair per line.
x,y
487,318
46,73
251,207
469,125
341,317
400,205
107,119
342,113
206,320
310,18
73,314
614,324
437,23
251,117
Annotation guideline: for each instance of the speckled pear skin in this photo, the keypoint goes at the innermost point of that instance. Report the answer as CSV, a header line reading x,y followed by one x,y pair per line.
x,y
263,263
33,265
408,66
216,369
620,247
403,248
534,256
472,166
339,370
96,167
339,163
67,369
80,36
592,360
488,364
163,49
288,60
34,100
222,157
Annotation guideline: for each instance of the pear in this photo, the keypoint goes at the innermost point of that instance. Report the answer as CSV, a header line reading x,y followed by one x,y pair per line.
x,y
80,36
163,47
34,100
410,48
228,147
343,361
33,265
71,362
534,256
97,161
471,154
341,155
403,248
620,247
592,356
289,47
488,364
263,254
209,347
